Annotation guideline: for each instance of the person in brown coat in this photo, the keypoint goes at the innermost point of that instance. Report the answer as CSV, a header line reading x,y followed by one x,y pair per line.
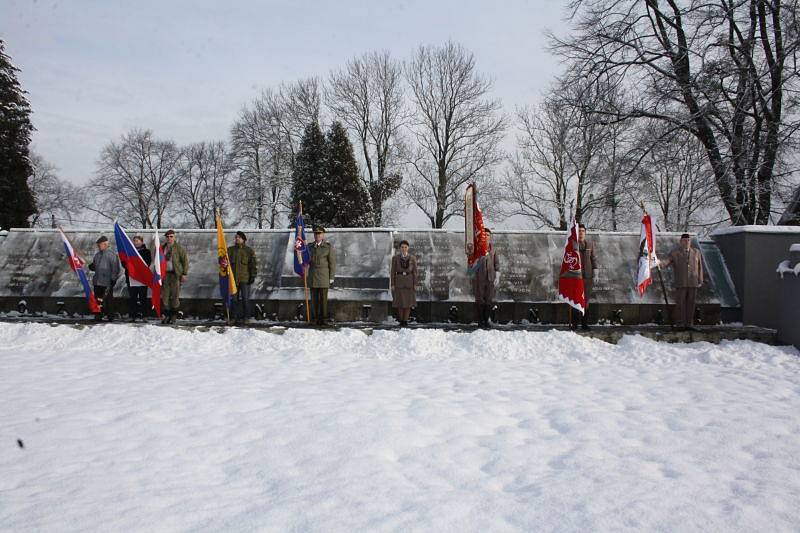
x,y
403,283
321,274
484,284
588,264
687,269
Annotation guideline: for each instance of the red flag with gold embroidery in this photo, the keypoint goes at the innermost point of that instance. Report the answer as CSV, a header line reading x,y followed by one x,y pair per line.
x,y
475,245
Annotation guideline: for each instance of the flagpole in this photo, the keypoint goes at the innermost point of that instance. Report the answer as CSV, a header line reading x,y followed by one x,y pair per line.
x,y
305,271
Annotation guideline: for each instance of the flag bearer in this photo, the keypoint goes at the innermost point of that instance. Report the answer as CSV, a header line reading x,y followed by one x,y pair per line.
x,y
177,269
243,265
105,266
687,268
321,274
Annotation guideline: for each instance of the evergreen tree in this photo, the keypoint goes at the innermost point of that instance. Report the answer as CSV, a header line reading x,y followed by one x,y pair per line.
x,y
309,178
15,136
349,199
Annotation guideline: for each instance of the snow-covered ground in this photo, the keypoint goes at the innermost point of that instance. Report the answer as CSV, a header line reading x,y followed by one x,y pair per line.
x,y
159,429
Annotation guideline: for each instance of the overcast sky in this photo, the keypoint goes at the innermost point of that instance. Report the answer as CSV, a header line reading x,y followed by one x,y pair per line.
x,y
96,69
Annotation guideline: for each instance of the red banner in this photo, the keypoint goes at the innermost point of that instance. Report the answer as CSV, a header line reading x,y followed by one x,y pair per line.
x,y
570,279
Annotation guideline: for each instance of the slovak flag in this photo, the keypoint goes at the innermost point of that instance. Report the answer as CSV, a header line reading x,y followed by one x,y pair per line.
x,y
159,266
76,264
647,254
130,258
570,279
302,257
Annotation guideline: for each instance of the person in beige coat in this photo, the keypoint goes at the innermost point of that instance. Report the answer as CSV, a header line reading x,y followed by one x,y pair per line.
x,y
403,283
687,269
484,284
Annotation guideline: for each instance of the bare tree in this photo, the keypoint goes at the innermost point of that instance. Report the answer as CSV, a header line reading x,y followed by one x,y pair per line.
x,y
55,198
264,141
135,180
724,71
204,185
567,162
676,178
457,130
367,96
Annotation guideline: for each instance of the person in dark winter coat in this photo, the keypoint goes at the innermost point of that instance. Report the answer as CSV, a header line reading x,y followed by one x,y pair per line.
x,y
687,268
588,264
484,284
137,291
321,274
177,270
105,265
243,265
403,283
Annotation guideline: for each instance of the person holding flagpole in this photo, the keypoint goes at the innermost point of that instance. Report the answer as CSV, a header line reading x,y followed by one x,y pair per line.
x,y
321,275
177,269
243,265
485,281
586,248
105,266
687,269
137,291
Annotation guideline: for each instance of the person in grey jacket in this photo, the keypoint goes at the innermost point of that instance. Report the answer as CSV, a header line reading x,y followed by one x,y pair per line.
x,y
105,266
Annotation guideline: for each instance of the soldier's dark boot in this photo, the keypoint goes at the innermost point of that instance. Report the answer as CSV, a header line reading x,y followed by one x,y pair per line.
x,y
584,323
173,316
165,318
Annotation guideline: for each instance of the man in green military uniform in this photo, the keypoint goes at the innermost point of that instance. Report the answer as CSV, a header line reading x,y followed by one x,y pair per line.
x,y
177,270
321,274
243,265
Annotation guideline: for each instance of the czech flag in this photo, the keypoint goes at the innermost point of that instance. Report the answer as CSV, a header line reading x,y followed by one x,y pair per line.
x,y
76,264
302,257
227,284
130,258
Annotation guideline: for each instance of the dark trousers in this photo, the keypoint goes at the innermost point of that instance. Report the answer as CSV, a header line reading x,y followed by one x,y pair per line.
x,y
587,294
137,301
484,312
684,305
105,296
319,305
241,302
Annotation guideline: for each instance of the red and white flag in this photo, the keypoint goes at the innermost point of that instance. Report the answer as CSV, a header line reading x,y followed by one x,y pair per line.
x,y
647,254
159,267
570,279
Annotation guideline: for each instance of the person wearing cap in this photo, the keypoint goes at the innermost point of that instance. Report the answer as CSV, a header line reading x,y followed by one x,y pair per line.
x,y
243,265
403,283
321,274
105,265
485,281
586,248
177,270
687,269
137,291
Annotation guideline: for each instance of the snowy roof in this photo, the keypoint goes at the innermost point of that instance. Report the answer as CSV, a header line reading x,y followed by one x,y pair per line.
x,y
756,229
795,247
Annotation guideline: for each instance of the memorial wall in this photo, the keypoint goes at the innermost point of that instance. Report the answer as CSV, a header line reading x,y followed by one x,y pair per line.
x,y
33,266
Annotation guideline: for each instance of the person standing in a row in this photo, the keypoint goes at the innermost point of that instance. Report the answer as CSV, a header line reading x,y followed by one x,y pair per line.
x,y
588,265
137,291
243,265
321,274
177,270
105,265
403,283
687,268
484,284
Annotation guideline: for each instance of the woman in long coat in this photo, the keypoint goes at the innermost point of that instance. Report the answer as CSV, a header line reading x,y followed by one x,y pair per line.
x,y
404,282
